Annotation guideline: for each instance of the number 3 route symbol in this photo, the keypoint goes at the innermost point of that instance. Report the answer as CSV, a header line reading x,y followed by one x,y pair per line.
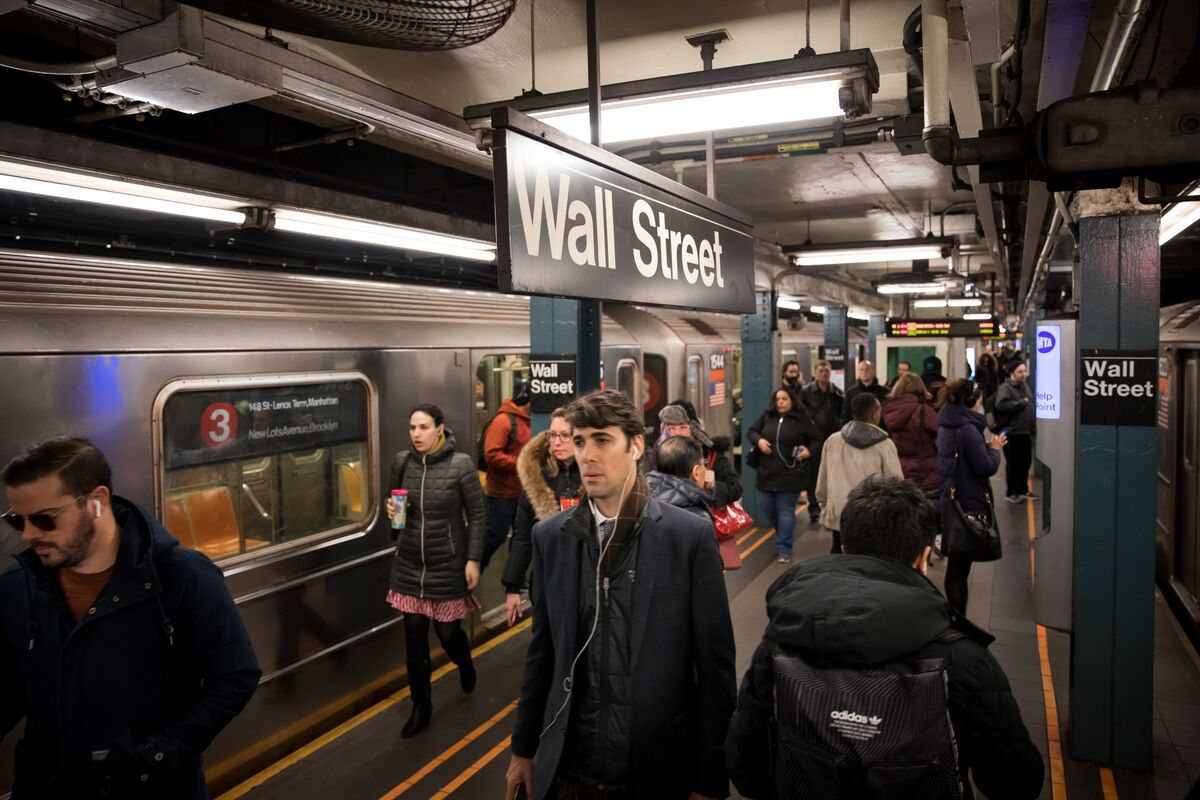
x,y
218,425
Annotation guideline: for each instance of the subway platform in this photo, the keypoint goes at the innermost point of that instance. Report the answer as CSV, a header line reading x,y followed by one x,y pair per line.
x,y
464,753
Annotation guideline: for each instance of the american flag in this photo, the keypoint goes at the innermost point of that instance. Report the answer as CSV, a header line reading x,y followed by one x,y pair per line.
x,y
716,394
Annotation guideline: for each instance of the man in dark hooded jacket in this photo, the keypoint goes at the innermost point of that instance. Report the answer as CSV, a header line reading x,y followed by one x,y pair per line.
x,y
873,606
678,476
122,651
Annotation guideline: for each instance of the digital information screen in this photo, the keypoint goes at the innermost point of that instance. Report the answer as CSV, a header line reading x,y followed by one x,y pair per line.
x,y
925,328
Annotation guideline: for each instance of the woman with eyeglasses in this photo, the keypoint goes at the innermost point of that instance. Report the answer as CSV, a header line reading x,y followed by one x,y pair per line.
x,y
550,483
782,438
436,563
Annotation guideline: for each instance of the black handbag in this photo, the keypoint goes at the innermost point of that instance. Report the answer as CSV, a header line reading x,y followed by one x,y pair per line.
x,y
972,535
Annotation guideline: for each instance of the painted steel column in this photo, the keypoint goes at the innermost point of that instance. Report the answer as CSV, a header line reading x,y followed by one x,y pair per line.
x,y
837,334
876,327
567,326
1112,652
758,381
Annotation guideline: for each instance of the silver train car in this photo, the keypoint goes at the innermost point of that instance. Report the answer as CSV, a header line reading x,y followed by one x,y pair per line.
x,y
1178,517
160,364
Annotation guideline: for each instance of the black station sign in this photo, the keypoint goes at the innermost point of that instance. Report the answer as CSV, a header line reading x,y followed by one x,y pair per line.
x,y
214,425
573,220
1118,387
551,381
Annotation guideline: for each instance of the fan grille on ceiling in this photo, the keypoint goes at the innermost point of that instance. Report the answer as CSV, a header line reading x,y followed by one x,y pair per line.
x,y
396,24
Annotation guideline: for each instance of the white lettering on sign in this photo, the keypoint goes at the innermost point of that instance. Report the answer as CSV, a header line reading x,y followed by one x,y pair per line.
x,y
699,261
589,232
1111,379
855,726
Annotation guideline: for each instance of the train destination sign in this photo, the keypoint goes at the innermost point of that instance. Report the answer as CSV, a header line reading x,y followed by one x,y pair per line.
x,y
1118,387
927,328
224,424
551,381
573,220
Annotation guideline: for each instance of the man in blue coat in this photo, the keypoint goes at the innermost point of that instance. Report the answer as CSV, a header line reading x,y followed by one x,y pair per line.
x,y
629,679
122,651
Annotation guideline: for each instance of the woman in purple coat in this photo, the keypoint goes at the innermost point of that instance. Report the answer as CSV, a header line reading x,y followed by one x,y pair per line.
x,y
966,463
909,417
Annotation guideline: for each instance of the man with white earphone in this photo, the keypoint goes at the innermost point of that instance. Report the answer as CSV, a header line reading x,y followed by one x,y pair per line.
x,y
629,678
121,650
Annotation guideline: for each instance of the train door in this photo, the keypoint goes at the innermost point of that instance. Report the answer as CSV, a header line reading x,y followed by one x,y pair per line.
x,y
1187,552
654,390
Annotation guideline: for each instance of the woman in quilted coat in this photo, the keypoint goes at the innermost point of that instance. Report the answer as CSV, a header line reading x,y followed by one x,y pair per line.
x,y
436,563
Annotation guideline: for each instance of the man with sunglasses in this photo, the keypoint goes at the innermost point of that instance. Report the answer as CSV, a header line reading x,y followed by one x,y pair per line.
x,y
121,650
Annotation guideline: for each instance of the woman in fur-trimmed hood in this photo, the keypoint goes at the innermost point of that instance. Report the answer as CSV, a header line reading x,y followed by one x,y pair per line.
x,y
550,483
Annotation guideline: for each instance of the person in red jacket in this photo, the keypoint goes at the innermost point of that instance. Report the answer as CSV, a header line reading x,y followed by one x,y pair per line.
x,y
502,488
910,418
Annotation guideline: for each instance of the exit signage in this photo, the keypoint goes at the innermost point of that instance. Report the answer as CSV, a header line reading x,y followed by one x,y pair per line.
x,y
1118,387
573,220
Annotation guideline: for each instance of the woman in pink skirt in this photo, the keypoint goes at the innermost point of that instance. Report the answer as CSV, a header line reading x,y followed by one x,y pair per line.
x,y
436,565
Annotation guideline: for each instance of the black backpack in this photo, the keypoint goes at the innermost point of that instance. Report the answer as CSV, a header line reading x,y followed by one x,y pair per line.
x,y
883,732
480,460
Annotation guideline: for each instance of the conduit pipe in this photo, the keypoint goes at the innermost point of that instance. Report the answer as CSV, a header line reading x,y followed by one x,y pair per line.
x,y
360,131
844,9
47,68
1125,18
997,113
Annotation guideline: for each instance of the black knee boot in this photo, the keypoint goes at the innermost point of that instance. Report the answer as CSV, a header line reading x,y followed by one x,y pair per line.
x,y
419,686
459,650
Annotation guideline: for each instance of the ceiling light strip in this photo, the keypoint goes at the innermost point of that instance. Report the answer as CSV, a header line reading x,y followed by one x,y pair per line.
x,y
127,200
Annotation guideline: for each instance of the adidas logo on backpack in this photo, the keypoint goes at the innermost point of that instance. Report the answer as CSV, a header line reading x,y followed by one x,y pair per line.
x,y
831,741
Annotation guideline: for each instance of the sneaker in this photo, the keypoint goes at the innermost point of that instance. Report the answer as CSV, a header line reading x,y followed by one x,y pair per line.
x,y
783,560
1015,498
1030,496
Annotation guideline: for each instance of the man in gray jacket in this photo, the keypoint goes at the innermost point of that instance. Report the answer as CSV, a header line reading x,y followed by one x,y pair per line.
x,y
856,452
1014,412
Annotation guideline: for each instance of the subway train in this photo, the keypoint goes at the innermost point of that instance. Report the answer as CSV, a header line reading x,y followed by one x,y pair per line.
x,y
256,414
1178,506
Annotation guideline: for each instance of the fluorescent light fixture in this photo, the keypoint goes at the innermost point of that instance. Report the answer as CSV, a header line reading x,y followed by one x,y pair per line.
x,y
742,96
813,255
790,305
976,316
911,288
19,176
817,309
953,302
1179,217
364,232
745,106
859,315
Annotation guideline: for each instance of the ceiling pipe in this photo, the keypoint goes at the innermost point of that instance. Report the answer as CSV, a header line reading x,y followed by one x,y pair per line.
x,y
844,9
48,68
360,131
1125,19
948,209
997,111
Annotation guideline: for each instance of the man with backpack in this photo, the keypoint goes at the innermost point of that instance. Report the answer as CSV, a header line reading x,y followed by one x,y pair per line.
x,y
499,445
865,670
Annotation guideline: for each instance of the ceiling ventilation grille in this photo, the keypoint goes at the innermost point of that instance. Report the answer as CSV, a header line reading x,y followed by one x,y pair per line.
x,y
395,24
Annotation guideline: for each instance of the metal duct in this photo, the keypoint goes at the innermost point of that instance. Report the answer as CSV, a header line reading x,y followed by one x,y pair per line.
x,y
395,24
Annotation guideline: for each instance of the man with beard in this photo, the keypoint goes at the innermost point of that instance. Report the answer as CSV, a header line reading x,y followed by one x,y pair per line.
x,y
122,651
793,378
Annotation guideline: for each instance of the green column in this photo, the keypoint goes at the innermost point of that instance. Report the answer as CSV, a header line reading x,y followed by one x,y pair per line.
x,y
837,335
567,326
876,327
1112,651
758,381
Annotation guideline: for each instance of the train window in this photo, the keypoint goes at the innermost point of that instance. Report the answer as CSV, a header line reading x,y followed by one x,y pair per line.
x,y
246,465
1189,416
497,378
627,378
695,366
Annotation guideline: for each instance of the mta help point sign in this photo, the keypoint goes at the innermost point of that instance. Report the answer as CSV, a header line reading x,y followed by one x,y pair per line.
x,y
1048,402
575,221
